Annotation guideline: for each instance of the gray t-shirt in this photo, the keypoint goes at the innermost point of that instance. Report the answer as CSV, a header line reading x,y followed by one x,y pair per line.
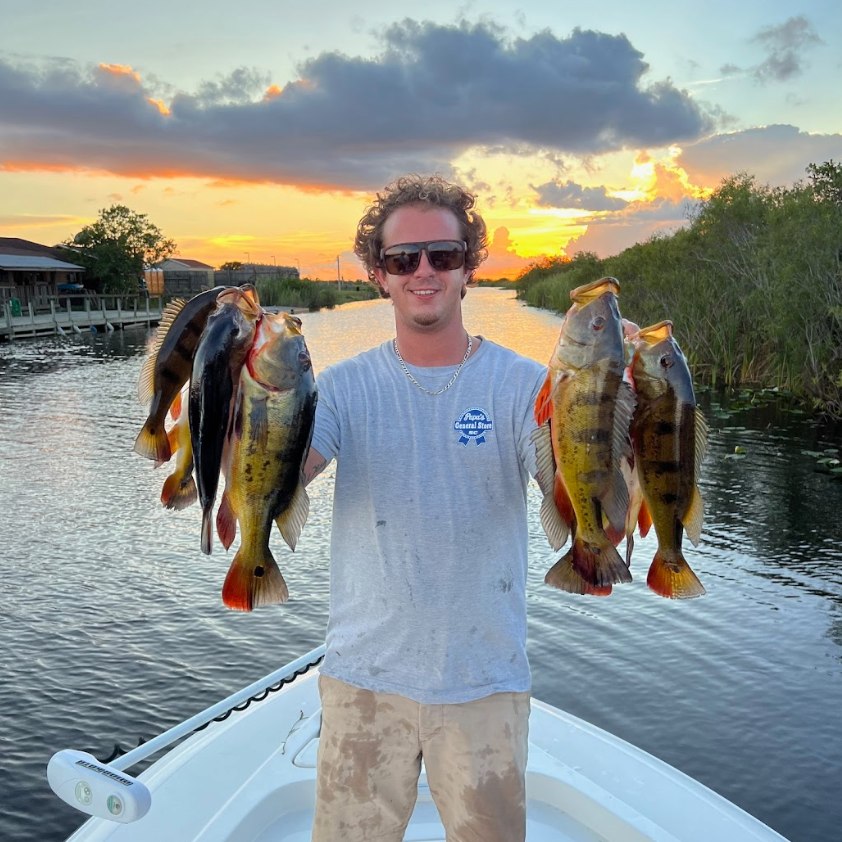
x,y
429,539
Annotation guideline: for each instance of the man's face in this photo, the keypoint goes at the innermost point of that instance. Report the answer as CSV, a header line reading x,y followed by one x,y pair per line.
x,y
426,298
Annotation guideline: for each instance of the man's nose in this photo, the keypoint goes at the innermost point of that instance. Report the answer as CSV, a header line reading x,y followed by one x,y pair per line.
x,y
424,267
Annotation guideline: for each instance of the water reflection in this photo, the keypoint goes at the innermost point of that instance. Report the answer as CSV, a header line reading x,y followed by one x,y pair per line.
x,y
113,626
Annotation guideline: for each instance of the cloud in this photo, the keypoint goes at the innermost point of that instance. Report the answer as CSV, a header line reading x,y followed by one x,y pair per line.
x,y
503,258
784,45
554,194
776,154
348,122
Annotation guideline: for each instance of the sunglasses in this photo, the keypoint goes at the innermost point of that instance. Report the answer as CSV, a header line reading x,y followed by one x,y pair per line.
x,y
404,258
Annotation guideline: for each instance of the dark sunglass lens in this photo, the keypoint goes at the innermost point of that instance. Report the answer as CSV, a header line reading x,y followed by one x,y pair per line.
x,y
445,256
402,260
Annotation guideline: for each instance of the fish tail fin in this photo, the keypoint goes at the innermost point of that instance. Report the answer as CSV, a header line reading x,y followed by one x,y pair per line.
x,y
226,522
207,530
153,443
179,491
598,565
670,576
565,576
253,581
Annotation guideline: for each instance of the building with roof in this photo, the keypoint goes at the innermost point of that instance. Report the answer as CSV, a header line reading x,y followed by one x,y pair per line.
x,y
32,273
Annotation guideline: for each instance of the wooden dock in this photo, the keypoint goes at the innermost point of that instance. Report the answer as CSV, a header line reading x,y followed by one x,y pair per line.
x,y
97,313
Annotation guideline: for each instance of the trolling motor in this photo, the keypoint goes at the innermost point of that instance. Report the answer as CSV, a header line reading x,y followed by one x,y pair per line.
x,y
97,789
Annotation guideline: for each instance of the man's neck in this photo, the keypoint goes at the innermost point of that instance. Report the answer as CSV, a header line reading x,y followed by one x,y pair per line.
x,y
435,347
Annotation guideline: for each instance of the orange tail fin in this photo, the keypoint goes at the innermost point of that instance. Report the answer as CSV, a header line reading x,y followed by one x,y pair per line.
x,y
178,492
251,582
565,577
152,443
670,576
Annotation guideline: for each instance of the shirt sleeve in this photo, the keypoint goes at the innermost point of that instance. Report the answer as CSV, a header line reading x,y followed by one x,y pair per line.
x,y
326,431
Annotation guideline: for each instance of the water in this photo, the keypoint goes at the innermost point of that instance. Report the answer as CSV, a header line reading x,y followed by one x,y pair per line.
x,y
113,627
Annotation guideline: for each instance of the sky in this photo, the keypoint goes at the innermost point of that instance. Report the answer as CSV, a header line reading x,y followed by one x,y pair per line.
x,y
260,130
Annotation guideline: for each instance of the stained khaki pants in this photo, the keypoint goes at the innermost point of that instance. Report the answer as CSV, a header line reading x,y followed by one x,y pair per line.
x,y
369,762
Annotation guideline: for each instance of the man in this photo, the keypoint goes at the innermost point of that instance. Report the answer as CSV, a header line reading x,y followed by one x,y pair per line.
x,y
427,632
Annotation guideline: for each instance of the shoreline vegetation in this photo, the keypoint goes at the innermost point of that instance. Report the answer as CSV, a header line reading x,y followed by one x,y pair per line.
x,y
753,286
304,294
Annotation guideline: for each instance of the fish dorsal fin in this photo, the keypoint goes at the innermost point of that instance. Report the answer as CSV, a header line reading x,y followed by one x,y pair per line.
x,y
701,436
146,381
544,401
291,521
542,438
692,520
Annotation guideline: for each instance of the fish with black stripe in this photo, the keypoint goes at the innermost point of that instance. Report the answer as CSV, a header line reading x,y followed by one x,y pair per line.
x,y
669,435
168,365
583,413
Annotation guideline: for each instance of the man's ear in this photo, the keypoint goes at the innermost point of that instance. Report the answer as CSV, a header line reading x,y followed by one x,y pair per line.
x,y
378,276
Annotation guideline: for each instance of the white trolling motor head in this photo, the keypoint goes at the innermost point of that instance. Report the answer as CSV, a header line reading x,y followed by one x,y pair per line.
x,y
97,789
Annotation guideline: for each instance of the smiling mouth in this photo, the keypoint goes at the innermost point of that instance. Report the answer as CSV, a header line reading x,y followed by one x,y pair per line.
x,y
424,292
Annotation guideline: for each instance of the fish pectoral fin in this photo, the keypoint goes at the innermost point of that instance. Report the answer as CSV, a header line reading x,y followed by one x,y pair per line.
x,y
615,503
544,401
701,441
291,521
644,520
542,438
692,520
556,529
226,522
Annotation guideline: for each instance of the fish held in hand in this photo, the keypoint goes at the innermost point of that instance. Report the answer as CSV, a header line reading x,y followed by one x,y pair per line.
x,y
669,434
270,437
221,352
583,413
167,367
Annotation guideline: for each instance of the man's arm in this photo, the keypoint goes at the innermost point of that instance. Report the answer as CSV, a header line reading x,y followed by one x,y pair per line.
x,y
314,464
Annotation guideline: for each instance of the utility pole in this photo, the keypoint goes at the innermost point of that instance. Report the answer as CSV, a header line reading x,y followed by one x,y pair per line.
x,y
338,276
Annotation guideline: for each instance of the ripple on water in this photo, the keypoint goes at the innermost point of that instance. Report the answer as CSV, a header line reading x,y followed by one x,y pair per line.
x,y
113,626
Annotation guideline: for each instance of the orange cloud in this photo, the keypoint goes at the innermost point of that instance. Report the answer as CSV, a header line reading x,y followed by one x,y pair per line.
x,y
159,105
272,92
121,70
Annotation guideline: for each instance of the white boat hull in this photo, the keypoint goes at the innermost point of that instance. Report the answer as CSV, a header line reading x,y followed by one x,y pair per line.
x,y
251,778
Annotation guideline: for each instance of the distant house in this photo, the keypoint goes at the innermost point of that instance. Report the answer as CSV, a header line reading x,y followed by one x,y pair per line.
x,y
32,273
183,275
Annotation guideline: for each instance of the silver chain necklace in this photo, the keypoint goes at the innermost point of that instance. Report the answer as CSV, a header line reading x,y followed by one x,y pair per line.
x,y
416,383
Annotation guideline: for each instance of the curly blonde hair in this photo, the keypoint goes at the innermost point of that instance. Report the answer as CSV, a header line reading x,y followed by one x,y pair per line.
x,y
430,191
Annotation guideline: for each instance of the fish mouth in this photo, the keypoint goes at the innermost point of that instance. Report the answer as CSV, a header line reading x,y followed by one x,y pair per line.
x,y
655,333
590,292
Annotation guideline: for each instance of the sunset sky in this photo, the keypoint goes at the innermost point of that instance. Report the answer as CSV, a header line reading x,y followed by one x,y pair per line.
x,y
259,130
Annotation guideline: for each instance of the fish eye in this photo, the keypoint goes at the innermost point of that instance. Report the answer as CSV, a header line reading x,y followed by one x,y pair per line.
x,y
667,361
598,323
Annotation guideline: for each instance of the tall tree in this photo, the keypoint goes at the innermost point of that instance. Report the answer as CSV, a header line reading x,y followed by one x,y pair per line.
x,y
115,249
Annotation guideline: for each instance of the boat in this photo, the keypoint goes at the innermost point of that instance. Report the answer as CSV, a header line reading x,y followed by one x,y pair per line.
x,y
244,770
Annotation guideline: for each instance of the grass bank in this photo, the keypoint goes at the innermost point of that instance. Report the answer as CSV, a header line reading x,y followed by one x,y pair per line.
x,y
753,285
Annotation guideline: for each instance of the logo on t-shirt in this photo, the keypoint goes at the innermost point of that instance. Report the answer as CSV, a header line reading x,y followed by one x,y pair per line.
x,y
474,423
